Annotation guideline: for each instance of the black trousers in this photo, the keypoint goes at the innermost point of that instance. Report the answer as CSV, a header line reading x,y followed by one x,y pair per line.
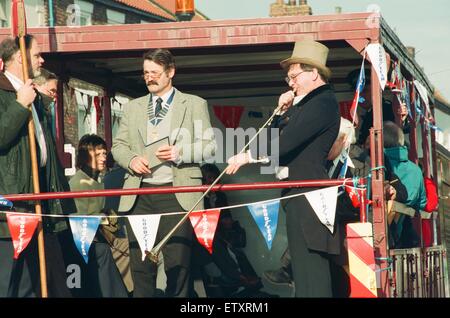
x,y
311,269
19,278
177,251
100,277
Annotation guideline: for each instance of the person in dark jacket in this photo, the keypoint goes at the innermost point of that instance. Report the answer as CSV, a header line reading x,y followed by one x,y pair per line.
x,y
20,278
311,127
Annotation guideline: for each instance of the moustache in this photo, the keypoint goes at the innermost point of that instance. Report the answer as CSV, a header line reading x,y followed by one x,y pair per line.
x,y
152,83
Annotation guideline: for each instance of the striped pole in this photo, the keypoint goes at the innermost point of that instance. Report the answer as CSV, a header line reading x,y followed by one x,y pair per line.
x,y
361,258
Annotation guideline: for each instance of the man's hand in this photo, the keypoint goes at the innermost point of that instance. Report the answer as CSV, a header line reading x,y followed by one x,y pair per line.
x,y
286,100
170,153
26,94
235,162
139,165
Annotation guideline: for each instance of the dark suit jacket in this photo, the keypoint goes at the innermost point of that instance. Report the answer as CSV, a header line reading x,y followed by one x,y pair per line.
x,y
308,130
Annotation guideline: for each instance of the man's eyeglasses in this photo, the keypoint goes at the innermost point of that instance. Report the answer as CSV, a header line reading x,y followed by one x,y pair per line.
x,y
152,74
290,78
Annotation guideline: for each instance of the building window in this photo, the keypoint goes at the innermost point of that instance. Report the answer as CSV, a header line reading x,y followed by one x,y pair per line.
x,y
87,113
40,13
115,17
86,10
3,14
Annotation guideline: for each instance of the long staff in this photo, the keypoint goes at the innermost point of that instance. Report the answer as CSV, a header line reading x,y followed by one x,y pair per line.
x,y
20,30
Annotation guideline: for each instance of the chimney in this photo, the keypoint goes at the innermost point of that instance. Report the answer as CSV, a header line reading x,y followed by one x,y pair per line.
x,y
280,8
411,51
184,10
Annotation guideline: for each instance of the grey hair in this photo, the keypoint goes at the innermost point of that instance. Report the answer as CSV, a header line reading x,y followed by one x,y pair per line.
x,y
393,135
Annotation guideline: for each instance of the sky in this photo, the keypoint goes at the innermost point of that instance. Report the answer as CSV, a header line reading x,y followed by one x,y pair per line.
x,y
422,24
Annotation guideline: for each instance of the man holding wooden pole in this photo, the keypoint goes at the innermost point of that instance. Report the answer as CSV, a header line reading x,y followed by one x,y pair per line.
x,y
28,163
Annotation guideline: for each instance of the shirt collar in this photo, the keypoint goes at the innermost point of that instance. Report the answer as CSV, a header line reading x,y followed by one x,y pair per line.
x,y
164,97
16,82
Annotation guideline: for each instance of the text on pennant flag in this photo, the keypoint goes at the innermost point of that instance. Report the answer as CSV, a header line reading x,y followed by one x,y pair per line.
x,y
377,56
21,228
145,228
266,217
83,231
323,202
205,225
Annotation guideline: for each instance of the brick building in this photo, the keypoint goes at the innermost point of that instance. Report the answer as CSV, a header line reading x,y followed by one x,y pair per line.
x,y
83,103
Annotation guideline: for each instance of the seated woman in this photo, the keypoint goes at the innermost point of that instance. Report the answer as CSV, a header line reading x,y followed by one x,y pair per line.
x,y
102,278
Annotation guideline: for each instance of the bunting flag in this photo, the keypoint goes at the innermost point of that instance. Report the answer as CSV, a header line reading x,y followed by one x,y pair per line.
x,y
21,228
407,98
229,116
5,202
396,78
266,217
423,94
98,108
16,23
377,56
145,228
83,231
358,90
205,224
434,127
323,202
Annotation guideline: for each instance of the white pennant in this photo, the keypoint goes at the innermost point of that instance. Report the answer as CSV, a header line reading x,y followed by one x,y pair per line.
x,y
423,93
145,228
323,202
377,56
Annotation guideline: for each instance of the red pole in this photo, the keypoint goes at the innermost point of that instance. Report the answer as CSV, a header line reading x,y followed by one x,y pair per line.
x,y
159,190
378,202
413,127
363,203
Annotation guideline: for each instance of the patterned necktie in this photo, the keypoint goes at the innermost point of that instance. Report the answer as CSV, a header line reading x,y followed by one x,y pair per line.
x,y
158,106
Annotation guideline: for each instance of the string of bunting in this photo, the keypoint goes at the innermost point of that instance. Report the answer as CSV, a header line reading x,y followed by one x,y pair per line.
x,y
22,225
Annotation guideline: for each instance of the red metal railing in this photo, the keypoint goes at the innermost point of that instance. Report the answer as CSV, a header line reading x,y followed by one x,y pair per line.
x,y
160,190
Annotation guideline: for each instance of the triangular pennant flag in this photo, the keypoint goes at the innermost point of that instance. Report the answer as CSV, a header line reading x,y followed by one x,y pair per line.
x,y
18,18
5,202
205,224
229,116
266,217
377,56
145,228
323,202
83,231
21,228
98,108
423,94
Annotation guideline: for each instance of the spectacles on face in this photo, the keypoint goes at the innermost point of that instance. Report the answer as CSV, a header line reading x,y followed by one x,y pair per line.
x,y
290,78
152,74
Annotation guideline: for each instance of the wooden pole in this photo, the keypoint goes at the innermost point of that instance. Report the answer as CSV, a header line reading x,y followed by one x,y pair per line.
x,y
34,164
